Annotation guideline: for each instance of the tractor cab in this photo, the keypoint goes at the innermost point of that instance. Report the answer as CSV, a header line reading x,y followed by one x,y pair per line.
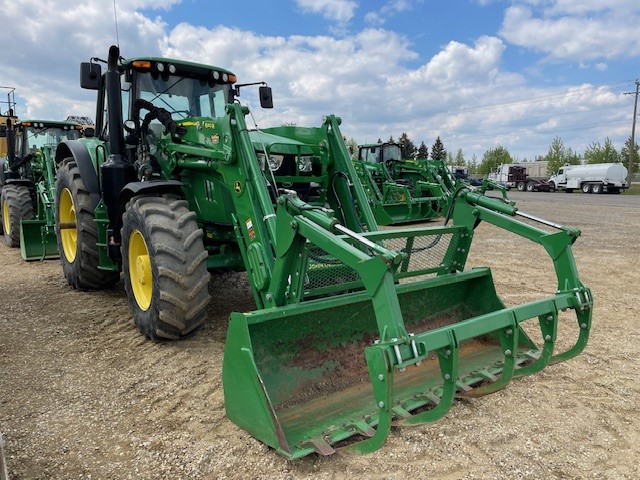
x,y
379,152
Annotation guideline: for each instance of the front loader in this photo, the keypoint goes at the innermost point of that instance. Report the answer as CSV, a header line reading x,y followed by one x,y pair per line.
x,y
355,329
28,177
403,191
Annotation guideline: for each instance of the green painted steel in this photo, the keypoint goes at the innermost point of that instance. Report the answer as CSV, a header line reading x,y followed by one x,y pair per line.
x,y
424,341
356,329
402,191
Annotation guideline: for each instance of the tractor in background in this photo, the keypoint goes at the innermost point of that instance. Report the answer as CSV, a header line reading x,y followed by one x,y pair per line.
x,y
27,174
402,191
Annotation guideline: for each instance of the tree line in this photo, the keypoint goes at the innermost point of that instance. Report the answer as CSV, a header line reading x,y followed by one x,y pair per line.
x,y
557,155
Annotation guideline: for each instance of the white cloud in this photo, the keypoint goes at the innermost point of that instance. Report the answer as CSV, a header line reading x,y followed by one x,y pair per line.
x,y
336,10
575,31
377,18
374,78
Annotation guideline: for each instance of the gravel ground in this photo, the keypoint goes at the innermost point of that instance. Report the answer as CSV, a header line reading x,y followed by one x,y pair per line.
x,y
83,395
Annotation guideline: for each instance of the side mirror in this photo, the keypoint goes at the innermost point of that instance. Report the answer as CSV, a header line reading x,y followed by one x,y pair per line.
x,y
90,75
266,99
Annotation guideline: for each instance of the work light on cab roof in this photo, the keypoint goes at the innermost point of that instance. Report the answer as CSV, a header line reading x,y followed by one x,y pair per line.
x,y
171,67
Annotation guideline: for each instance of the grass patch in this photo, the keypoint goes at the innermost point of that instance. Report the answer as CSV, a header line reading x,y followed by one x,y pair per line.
x,y
633,190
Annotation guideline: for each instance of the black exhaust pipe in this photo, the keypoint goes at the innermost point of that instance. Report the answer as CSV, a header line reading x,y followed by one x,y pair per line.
x,y
116,171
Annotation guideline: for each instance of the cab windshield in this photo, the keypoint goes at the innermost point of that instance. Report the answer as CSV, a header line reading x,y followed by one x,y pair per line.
x,y
372,154
183,97
35,138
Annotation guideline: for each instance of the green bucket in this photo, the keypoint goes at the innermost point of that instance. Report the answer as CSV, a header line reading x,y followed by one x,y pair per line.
x,y
298,377
37,241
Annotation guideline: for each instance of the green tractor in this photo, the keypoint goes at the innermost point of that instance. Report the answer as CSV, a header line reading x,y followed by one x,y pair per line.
x,y
402,191
355,329
27,176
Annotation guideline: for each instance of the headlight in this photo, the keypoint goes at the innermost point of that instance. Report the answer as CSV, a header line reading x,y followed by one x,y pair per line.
x,y
305,164
275,162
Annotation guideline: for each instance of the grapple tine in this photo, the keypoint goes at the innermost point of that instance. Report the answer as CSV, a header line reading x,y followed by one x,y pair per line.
x,y
381,374
509,344
583,303
448,361
549,329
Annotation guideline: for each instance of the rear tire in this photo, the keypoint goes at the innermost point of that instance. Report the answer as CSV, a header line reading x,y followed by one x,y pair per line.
x,y
586,188
164,266
531,187
596,188
521,186
552,187
78,246
16,205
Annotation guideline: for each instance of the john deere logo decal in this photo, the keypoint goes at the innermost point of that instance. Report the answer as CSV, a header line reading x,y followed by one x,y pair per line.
x,y
237,186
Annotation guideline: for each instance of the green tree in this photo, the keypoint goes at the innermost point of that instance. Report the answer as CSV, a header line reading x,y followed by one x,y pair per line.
x,y
407,146
391,140
472,165
624,155
352,147
423,152
596,153
493,158
438,151
559,155
459,158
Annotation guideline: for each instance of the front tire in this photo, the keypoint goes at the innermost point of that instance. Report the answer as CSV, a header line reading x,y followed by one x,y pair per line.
x,y
586,188
16,205
77,232
164,266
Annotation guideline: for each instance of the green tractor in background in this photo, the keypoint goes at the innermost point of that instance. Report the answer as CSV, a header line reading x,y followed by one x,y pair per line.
x,y
355,329
27,176
402,191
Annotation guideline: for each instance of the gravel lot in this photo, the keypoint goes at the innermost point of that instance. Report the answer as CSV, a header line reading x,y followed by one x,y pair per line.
x,y
83,395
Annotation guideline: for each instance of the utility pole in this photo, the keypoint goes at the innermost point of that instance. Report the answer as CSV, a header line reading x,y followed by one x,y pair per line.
x,y
632,152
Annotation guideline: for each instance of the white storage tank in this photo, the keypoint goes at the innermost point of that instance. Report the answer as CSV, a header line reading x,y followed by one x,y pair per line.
x,y
614,172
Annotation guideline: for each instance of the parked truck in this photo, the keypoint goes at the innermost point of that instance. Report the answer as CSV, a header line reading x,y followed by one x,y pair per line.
x,y
593,178
515,176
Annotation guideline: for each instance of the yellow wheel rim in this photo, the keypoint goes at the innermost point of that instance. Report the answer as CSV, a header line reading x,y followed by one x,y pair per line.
x,y
67,216
140,270
5,218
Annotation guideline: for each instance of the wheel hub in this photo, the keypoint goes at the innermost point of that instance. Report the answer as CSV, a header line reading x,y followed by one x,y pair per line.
x,y
68,234
143,269
140,273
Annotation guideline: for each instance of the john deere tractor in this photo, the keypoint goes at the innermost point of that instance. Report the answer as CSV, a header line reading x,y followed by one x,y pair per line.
x,y
28,175
355,329
402,191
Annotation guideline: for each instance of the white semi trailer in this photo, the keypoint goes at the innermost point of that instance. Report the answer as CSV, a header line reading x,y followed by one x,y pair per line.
x,y
593,178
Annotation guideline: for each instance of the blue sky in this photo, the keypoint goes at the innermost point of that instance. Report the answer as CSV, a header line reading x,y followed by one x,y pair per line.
x,y
478,73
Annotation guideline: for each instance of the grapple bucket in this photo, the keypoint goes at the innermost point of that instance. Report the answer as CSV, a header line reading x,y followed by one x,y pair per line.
x,y
37,240
392,345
